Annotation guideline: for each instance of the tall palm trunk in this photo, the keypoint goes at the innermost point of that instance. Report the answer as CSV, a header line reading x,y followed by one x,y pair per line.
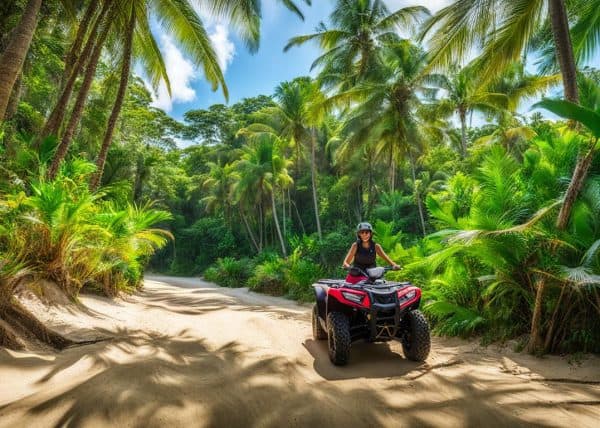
x,y
74,52
417,193
249,230
114,115
11,61
313,173
564,54
11,111
463,132
283,212
52,125
392,171
274,208
77,112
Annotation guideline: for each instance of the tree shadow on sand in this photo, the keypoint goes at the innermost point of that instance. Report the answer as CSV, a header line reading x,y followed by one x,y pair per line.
x,y
367,360
143,379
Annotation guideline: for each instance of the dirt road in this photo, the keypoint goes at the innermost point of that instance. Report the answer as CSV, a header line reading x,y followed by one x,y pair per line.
x,y
188,353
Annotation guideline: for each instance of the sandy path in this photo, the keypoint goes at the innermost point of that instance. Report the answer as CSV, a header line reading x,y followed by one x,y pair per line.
x,y
188,353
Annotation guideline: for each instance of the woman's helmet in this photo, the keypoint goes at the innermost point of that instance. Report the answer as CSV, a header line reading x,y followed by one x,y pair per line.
x,y
364,226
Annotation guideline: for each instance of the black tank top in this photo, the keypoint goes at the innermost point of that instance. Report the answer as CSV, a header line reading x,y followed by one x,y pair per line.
x,y
365,257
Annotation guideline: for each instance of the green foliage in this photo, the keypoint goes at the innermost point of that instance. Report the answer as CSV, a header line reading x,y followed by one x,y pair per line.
x,y
201,244
230,272
268,277
300,273
62,232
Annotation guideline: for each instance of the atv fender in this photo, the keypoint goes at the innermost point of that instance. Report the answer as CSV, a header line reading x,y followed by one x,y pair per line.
x,y
321,298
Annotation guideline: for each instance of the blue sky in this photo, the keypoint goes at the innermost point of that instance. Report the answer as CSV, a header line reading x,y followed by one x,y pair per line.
x,y
249,75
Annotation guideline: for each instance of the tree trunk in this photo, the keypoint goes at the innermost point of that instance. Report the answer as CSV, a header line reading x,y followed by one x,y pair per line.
x,y
13,57
56,117
300,222
11,111
274,208
564,49
77,112
392,172
417,193
463,133
261,224
112,121
19,321
250,234
564,54
535,344
139,173
579,175
313,174
283,212
74,52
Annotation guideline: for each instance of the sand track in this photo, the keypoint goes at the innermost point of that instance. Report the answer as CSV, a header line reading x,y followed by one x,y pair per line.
x,y
188,353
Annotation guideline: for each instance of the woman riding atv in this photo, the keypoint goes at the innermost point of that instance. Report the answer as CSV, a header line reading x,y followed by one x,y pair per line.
x,y
363,253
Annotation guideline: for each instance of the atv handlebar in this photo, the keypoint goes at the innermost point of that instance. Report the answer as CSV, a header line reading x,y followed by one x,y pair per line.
x,y
386,268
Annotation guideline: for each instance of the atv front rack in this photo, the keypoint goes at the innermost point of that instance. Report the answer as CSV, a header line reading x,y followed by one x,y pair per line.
x,y
337,283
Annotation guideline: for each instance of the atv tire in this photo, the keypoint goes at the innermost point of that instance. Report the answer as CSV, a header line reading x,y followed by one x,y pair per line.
x,y
319,332
338,329
416,341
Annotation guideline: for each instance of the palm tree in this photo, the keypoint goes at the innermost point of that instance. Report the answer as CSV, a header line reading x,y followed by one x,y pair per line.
x,y
359,28
116,110
180,20
11,61
505,30
74,65
294,117
463,96
262,170
244,14
386,111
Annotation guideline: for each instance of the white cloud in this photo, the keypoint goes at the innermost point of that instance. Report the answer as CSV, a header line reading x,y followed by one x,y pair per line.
x,y
181,73
432,5
223,46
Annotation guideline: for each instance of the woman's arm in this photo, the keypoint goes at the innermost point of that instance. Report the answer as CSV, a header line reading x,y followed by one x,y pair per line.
x,y
350,255
385,257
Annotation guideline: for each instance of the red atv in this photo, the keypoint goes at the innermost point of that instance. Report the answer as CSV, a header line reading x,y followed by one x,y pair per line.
x,y
374,310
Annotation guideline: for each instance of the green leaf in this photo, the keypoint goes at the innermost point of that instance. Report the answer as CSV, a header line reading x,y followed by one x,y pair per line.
x,y
569,110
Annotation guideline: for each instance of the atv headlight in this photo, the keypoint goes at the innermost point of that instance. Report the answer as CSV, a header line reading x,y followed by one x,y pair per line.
x,y
356,298
408,296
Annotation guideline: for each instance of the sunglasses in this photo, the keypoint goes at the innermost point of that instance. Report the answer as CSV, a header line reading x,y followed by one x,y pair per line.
x,y
362,232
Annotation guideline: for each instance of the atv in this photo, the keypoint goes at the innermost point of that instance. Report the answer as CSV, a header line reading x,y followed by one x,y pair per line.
x,y
374,310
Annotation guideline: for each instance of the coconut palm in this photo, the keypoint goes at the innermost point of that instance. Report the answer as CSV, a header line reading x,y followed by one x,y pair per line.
x,y
295,120
386,111
505,29
13,57
464,96
262,170
359,28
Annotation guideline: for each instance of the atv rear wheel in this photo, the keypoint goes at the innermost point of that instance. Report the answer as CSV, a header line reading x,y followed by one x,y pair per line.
x,y
416,341
338,329
319,332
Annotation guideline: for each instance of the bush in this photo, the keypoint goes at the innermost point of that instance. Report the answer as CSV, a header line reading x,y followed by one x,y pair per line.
x,y
229,272
334,247
269,277
299,277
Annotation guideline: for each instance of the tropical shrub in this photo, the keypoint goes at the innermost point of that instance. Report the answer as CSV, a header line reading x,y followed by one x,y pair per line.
x,y
230,272
269,277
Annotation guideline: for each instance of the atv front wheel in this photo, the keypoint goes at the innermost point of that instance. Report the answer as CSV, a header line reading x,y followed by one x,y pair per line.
x,y
416,341
319,332
338,329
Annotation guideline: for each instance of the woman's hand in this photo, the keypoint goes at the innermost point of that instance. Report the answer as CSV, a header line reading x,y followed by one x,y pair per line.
x,y
395,266
346,265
